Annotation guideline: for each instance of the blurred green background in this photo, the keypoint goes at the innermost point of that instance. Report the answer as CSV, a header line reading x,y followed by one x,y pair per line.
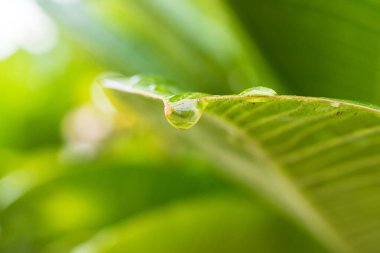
x,y
75,178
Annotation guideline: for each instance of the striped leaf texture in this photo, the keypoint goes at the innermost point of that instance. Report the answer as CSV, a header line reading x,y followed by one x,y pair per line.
x,y
317,159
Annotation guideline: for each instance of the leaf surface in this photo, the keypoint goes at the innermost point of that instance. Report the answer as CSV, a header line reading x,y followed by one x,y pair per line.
x,y
315,158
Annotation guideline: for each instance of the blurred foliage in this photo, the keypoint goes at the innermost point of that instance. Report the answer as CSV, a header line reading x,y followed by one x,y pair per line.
x,y
319,48
70,183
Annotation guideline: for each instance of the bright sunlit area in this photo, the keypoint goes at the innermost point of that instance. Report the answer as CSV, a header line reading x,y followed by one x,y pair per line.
x,y
25,26
188,126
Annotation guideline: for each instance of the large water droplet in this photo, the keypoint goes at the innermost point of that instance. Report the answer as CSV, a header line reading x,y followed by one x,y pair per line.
x,y
259,91
184,111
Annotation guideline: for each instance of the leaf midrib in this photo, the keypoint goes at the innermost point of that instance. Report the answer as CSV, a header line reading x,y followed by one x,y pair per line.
x,y
300,207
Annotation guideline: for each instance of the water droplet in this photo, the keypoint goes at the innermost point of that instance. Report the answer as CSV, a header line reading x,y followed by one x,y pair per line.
x,y
152,87
184,111
335,104
260,91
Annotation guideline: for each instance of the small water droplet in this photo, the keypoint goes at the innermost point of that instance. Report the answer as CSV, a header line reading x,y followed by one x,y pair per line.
x,y
184,111
335,104
152,87
260,91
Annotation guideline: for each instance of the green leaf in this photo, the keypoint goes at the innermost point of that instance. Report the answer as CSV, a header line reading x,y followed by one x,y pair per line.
x,y
316,158
318,47
79,200
213,224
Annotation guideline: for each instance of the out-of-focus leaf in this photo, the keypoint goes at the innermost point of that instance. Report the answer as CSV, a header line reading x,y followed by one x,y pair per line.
x,y
319,47
196,42
79,200
37,91
215,224
316,158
